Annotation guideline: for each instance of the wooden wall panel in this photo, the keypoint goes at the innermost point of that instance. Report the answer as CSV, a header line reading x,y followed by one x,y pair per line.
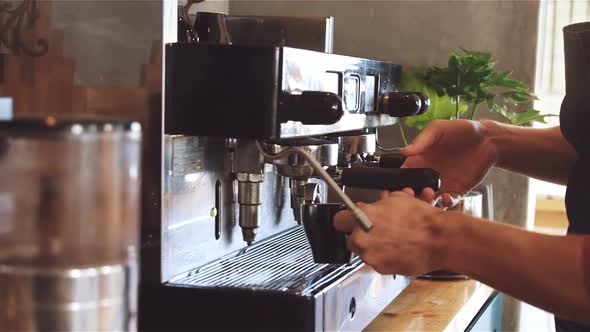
x,y
45,85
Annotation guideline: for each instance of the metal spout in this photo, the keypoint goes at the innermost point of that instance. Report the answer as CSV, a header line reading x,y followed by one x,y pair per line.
x,y
250,199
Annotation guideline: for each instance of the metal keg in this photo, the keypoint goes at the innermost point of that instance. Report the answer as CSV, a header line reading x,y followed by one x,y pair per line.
x,y
69,202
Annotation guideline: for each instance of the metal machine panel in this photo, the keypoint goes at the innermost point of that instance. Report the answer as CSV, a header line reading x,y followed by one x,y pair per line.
x,y
238,91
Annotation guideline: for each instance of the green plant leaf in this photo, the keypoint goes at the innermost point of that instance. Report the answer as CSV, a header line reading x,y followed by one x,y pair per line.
x,y
441,107
528,116
470,76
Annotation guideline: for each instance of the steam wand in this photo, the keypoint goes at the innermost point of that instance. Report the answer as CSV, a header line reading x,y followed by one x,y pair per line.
x,y
358,214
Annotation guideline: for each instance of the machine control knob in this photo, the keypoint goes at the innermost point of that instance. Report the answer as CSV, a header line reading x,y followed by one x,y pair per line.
x,y
312,107
401,104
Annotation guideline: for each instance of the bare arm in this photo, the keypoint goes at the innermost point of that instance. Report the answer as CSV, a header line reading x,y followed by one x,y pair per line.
x,y
540,153
412,237
546,271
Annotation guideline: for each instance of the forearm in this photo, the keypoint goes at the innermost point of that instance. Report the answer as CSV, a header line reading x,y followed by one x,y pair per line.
x,y
540,153
546,271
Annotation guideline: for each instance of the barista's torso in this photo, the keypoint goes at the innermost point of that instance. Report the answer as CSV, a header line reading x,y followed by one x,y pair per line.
x,y
574,116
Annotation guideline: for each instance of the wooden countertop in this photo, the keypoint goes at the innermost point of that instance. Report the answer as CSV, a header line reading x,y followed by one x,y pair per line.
x,y
427,305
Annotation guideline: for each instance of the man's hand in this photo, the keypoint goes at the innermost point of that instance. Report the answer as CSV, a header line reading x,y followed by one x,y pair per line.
x,y
427,195
407,235
459,150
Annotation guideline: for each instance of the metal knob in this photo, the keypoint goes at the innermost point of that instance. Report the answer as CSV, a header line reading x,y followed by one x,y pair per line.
x,y
425,102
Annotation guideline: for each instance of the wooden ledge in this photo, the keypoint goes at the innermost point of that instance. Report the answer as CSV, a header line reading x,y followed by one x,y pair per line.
x,y
427,305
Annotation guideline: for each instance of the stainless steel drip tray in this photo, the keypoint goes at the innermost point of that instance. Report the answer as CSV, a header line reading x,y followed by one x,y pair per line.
x,y
273,285
282,263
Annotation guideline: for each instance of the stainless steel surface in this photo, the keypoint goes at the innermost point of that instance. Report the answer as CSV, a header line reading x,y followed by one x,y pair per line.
x,y
478,203
359,215
250,192
246,157
297,196
299,170
249,222
472,204
312,193
488,200
283,264
249,199
383,147
326,153
187,225
349,122
312,33
75,299
250,177
248,168
306,71
186,156
303,192
346,298
351,303
349,146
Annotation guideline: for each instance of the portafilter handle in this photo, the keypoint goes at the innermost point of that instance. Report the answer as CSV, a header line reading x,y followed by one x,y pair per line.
x,y
392,179
392,160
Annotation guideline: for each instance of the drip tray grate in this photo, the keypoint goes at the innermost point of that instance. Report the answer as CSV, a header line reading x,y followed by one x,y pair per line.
x,y
282,263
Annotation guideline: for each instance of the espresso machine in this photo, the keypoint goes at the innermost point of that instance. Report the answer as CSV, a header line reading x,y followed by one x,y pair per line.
x,y
254,129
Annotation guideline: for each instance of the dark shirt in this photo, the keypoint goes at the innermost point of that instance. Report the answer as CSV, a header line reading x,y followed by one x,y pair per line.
x,y
575,127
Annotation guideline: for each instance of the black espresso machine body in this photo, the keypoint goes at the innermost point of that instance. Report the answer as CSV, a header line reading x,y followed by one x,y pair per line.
x,y
250,91
227,251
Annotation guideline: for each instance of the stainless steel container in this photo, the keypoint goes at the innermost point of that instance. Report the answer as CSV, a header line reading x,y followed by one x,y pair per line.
x,y
68,224
478,203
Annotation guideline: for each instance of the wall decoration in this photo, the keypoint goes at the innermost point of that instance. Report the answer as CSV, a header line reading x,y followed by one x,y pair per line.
x,y
17,28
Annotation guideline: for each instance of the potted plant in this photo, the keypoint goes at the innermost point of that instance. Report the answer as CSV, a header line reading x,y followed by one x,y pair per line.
x,y
469,81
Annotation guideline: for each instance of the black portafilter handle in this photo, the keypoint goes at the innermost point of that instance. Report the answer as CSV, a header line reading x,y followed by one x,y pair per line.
x,y
392,160
392,179
311,107
402,104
